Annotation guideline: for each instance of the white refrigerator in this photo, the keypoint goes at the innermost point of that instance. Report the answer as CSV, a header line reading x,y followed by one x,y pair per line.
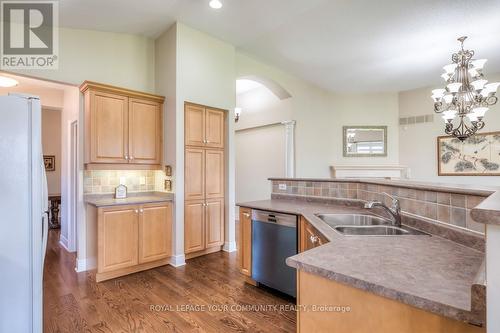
x,y
23,214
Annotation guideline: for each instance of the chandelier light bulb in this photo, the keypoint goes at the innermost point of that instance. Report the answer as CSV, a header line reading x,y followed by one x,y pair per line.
x,y
479,63
472,117
479,84
491,87
454,87
445,76
449,115
215,4
479,112
448,98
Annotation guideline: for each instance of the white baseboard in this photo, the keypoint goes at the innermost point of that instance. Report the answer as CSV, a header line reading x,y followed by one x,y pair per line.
x,y
178,260
63,241
229,247
86,264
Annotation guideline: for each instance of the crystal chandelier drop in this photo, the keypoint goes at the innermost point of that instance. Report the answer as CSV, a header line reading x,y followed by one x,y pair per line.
x,y
467,95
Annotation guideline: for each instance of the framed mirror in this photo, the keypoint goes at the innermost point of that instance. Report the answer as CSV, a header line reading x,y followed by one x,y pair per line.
x,y
364,141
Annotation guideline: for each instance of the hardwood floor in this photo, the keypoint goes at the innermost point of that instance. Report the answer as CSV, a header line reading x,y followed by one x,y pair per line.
x,y
165,299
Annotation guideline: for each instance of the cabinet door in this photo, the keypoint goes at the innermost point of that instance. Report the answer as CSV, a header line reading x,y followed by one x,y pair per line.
x,y
214,173
108,128
194,169
214,222
310,237
155,232
145,132
194,226
214,128
245,241
194,128
117,238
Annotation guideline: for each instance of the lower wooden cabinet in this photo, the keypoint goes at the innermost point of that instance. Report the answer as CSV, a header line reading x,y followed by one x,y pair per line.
x,y
309,236
132,238
203,226
245,241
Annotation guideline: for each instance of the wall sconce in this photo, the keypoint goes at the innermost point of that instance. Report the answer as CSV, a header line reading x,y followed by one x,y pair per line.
x,y
237,112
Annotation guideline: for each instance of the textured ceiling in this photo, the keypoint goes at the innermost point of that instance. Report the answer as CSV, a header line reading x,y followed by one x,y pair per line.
x,y
340,45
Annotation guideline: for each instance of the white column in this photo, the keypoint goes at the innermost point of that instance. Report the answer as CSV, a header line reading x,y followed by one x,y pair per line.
x,y
289,148
492,278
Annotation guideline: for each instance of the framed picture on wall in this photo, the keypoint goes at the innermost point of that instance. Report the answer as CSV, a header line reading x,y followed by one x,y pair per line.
x,y
50,162
478,155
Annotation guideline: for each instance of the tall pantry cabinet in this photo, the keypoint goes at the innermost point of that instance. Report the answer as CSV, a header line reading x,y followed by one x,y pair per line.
x,y
204,179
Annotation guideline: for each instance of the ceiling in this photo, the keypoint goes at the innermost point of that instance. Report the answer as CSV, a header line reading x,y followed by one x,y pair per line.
x,y
340,45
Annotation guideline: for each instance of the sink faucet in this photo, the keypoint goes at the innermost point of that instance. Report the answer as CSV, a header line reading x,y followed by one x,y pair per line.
x,y
394,210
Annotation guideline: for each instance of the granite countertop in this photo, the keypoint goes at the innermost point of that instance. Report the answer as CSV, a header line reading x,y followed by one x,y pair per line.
x,y
106,200
428,272
438,187
488,211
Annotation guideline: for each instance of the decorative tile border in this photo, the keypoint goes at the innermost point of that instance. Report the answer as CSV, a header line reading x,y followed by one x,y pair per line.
x,y
105,181
450,208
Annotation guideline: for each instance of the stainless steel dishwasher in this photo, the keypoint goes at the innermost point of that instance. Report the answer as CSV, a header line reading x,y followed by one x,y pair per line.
x,y
274,238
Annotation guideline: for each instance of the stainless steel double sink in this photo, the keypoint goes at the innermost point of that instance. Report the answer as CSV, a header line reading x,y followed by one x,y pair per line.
x,y
366,225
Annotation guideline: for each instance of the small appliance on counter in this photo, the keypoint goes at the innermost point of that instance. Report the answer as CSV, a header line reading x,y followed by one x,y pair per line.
x,y
121,192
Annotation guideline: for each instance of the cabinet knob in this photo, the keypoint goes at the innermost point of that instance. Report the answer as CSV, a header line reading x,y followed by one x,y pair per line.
x,y
206,141
126,157
131,157
314,239
136,211
141,210
247,215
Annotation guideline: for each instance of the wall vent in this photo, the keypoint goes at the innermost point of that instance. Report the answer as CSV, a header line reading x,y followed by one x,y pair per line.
x,y
426,118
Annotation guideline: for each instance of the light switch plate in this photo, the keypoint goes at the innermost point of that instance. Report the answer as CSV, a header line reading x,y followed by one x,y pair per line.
x,y
282,187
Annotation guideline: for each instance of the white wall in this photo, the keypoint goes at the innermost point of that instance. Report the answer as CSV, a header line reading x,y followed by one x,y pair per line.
x,y
195,67
320,116
51,145
417,143
119,59
260,151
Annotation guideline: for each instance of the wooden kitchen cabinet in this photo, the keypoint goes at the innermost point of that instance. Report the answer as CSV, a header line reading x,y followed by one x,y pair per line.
x,y
203,226
214,223
214,173
309,236
108,127
194,226
132,238
204,126
245,241
155,232
369,313
123,128
204,179
117,238
145,136
194,174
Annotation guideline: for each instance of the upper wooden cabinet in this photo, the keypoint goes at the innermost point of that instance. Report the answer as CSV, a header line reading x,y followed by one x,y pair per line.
x,y
204,126
122,127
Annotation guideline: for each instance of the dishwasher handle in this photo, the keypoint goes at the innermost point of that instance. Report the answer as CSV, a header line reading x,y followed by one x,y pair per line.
x,y
286,220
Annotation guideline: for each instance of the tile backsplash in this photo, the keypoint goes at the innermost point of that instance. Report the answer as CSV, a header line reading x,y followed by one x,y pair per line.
x,y
105,181
449,208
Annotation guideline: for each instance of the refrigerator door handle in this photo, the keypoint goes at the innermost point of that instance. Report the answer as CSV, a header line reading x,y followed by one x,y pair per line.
x,y
45,234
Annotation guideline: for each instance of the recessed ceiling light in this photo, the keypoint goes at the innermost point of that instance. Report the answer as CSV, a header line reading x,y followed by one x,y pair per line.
x,y
215,4
7,82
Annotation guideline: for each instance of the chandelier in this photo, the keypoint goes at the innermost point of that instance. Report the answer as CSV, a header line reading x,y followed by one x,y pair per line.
x,y
467,96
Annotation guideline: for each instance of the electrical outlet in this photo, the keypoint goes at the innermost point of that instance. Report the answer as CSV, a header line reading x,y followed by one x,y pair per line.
x,y
142,180
282,187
